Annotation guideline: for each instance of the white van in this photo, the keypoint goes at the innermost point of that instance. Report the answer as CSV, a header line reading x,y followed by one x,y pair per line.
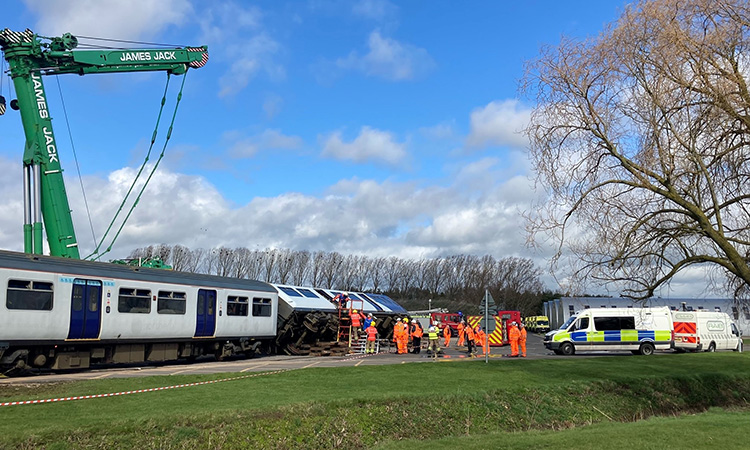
x,y
705,331
640,330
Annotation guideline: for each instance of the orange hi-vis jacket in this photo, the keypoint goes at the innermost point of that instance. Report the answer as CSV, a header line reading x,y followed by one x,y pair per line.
x,y
469,334
514,334
356,317
399,330
460,328
372,333
446,331
417,333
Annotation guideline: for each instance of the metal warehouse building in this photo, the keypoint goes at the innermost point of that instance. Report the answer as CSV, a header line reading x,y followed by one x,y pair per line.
x,y
560,309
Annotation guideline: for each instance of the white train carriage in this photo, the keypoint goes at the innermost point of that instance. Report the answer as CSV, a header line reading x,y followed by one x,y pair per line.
x,y
62,313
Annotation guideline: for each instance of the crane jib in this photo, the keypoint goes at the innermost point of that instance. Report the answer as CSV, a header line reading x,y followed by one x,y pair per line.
x,y
128,57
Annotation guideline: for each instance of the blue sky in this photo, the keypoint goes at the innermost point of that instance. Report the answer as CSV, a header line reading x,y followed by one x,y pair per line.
x,y
367,126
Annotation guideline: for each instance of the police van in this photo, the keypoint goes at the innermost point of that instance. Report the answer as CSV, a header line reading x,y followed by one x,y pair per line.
x,y
640,330
706,331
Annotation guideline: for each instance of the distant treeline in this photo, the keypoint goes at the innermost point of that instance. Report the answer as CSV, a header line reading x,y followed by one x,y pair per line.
x,y
455,282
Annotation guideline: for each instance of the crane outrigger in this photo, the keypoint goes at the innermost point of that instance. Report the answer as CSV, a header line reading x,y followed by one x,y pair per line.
x,y
30,57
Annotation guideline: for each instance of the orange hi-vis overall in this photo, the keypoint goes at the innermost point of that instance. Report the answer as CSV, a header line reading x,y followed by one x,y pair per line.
x,y
522,341
481,340
372,334
447,336
461,337
513,336
401,336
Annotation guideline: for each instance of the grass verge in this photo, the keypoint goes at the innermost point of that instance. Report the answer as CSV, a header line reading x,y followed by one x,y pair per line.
x,y
360,407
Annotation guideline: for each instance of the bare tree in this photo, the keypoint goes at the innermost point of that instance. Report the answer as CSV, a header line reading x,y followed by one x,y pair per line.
x,y
181,258
301,267
377,272
242,262
316,268
360,273
225,262
640,137
392,273
330,265
284,265
435,275
268,265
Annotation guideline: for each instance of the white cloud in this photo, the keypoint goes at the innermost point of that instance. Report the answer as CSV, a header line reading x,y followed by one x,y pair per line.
x,y
389,59
115,19
241,146
353,217
499,123
444,130
370,145
249,57
236,36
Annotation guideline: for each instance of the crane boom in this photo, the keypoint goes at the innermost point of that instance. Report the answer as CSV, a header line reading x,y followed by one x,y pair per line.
x,y
31,56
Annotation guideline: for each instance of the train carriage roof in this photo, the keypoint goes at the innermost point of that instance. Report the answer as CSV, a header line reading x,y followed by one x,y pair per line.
x,y
95,269
311,299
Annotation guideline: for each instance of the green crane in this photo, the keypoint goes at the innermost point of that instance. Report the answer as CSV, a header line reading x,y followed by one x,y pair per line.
x,y
31,56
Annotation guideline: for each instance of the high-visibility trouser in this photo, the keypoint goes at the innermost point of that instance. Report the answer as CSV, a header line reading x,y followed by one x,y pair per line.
x,y
460,339
401,344
514,347
447,342
522,342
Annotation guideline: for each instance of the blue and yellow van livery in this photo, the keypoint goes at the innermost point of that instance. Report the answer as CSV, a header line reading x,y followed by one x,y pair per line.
x,y
640,330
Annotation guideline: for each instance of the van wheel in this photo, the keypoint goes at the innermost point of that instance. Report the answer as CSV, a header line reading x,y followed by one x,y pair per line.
x,y
567,349
711,347
647,349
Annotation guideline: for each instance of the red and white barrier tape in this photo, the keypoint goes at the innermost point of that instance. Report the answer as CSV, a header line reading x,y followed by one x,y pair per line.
x,y
138,391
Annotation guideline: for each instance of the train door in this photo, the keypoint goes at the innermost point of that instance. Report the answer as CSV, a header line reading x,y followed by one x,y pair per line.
x,y
205,323
85,309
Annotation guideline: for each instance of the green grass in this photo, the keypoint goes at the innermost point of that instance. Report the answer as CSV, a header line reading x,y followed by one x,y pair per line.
x,y
716,428
363,406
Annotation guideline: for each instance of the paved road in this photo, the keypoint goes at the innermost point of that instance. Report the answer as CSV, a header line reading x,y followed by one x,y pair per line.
x,y
535,350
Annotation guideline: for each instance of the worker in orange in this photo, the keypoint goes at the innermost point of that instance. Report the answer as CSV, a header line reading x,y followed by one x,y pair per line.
x,y
398,330
447,336
513,336
372,336
461,337
522,339
469,339
416,337
403,346
480,338
356,324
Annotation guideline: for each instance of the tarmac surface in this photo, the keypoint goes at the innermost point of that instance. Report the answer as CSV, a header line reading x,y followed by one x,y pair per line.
x,y
535,350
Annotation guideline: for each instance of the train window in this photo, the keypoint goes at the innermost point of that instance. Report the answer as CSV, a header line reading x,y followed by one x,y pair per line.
x,y
261,307
236,306
307,293
289,291
134,301
31,295
171,303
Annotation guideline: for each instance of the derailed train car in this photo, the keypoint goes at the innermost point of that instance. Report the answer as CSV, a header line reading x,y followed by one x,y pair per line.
x,y
59,313
311,322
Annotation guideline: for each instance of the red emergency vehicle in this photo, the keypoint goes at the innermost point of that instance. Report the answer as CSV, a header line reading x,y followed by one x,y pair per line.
x,y
499,334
